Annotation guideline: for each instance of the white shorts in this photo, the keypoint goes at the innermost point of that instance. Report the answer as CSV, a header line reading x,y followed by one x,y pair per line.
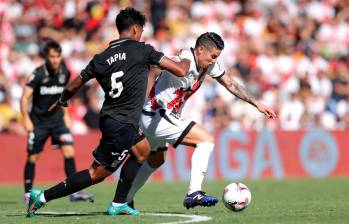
x,y
162,128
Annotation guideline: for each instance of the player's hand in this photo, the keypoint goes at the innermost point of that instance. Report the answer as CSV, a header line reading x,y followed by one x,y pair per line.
x,y
28,125
57,104
267,111
54,106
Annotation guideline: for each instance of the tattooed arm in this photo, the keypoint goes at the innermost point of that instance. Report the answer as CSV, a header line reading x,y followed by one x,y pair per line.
x,y
236,89
240,92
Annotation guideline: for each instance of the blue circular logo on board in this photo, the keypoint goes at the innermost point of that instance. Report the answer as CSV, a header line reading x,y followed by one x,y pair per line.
x,y
319,154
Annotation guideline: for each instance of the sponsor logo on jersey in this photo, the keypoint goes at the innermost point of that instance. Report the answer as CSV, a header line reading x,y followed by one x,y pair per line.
x,y
52,90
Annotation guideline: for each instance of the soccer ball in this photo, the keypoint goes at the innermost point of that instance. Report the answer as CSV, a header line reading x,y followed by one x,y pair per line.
x,y
236,197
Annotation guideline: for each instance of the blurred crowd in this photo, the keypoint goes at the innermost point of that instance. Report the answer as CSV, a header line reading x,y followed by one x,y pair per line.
x,y
290,54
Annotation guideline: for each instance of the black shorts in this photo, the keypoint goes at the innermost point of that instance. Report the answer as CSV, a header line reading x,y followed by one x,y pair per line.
x,y
138,137
116,142
60,136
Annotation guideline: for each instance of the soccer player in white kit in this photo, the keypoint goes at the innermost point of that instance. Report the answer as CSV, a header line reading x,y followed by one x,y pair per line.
x,y
162,123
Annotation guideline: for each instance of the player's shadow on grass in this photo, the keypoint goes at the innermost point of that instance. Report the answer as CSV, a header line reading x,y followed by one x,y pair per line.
x,y
69,214
60,214
162,212
65,214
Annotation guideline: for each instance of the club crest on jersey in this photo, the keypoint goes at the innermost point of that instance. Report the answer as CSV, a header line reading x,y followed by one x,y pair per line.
x,y
191,75
45,80
61,79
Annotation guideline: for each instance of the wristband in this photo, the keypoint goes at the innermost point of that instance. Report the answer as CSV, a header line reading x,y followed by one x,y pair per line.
x,y
62,104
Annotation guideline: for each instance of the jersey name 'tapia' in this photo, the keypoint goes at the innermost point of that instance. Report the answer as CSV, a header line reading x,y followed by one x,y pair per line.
x,y
117,57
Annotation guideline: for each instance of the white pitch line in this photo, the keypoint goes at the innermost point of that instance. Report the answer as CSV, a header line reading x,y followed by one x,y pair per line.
x,y
190,218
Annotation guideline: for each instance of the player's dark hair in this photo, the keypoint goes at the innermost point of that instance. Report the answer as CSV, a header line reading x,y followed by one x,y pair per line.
x,y
209,40
52,44
129,17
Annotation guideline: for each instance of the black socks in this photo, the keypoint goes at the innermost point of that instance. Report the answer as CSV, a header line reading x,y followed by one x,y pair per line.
x,y
128,174
29,173
69,166
72,184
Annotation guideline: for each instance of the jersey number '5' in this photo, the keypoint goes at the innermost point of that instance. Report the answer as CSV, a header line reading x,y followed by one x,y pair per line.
x,y
116,87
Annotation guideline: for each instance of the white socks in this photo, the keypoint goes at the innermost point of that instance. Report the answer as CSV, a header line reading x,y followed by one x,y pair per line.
x,y
199,163
42,198
142,176
117,204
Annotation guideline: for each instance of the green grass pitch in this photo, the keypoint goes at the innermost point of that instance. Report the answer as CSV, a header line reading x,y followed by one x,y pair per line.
x,y
291,201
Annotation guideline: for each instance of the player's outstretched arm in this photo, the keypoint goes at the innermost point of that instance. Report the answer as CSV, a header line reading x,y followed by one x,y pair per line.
x,y
178,68
68,93
240,92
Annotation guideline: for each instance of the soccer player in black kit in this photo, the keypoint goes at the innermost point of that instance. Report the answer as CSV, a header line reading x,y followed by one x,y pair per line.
x,y
122,71
45,86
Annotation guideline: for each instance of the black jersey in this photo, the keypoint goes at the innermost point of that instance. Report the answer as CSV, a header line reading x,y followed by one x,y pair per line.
x,y
47,88
122,71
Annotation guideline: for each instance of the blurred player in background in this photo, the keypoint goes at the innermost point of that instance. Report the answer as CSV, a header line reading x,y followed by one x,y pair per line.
x,y
43,88
162,122
121,70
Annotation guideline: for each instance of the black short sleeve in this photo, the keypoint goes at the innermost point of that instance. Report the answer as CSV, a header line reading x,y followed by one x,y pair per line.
x,y
89,72
153,56
33,80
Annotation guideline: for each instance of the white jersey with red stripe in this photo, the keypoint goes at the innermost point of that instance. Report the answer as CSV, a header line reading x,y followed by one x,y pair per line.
x,y
171,92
